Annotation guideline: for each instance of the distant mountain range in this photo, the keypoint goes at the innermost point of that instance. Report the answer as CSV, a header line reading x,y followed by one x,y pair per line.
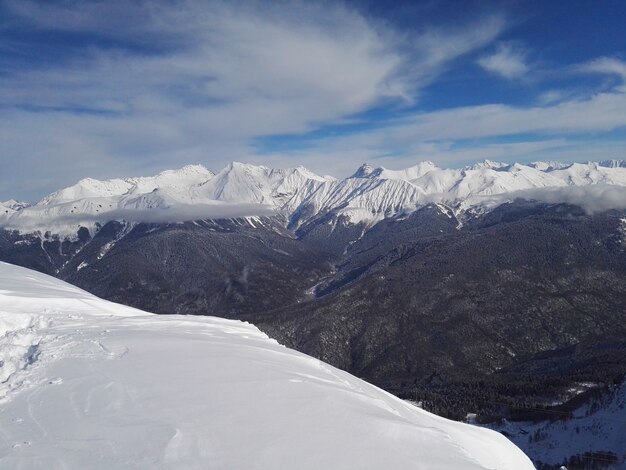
x,y
300,196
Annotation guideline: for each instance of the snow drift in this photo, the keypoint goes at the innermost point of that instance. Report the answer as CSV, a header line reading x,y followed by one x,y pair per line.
x,y
87,383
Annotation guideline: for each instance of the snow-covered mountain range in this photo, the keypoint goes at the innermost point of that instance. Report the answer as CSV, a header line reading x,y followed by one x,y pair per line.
x,y
87,383
369,195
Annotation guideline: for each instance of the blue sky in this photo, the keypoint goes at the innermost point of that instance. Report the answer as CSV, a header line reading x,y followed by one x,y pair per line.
x,y
118,88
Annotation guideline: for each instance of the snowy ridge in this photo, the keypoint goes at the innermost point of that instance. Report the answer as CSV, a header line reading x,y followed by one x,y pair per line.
x,y
136,390
13,204
175,180
240,190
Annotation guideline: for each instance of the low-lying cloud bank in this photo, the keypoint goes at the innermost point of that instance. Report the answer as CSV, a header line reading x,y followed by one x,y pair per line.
x,y
33,219
186,212
592,199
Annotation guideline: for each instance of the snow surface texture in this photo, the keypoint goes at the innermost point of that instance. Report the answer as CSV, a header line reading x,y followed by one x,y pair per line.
x,y
87,383
370,195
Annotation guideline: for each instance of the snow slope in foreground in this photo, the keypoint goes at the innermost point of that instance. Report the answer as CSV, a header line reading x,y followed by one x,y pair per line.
x,y
87,383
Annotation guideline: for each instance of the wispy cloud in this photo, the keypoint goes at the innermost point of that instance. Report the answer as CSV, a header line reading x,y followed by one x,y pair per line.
x,y
143,86
435,50
459,132
509,61
158,84
343,155
551,96
602,112
607,66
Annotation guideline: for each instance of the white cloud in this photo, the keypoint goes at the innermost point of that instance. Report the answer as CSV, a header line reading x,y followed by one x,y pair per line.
x,y
607,66
508,61
231,57
180,212
594,198
551,96
601,113
210,77
434,50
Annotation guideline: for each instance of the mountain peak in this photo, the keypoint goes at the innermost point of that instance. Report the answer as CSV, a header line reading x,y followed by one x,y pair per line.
x,y
15,205
305,172
234,165
196,169
486,164
364,171
548,165
408,174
